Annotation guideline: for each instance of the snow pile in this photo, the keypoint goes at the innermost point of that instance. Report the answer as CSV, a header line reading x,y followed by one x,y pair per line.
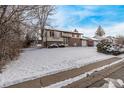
x,y
113,83
34,63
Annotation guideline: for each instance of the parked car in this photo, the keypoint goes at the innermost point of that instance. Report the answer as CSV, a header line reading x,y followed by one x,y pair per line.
x,y
61,45
53,46
116,53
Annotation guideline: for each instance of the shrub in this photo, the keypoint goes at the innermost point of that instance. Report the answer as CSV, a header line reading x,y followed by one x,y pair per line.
x,y
102,46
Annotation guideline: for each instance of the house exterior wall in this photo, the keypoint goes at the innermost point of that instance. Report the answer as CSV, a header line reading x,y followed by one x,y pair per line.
x,y
54,39
75,42
53,36
64,34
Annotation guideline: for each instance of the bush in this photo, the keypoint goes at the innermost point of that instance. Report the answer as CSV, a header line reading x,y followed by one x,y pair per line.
x,y
103,46
108,48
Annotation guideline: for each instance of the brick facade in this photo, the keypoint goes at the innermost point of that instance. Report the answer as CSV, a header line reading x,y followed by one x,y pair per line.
x,y
75,42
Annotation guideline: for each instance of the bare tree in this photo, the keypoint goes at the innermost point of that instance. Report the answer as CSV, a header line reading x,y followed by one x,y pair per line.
x,y
15,22
11,20
42,14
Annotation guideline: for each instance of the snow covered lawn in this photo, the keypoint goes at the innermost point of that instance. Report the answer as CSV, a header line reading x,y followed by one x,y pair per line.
x,y
34,63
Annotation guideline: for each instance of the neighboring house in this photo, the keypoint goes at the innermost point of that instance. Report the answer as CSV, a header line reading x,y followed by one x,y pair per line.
x,y
87,41
53,36
90,42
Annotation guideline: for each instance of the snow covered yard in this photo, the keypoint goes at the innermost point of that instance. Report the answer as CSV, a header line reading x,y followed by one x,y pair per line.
x,y
34,63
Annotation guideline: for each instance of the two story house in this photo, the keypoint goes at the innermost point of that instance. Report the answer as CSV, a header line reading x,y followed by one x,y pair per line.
x,y
67,38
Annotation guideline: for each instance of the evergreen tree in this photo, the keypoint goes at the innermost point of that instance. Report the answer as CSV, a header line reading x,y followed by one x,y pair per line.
x,y
100,31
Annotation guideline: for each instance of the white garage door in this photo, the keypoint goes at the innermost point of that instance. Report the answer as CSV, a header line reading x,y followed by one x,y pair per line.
x,y
84,43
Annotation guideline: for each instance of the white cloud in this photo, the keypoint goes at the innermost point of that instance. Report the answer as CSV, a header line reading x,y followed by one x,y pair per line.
x,y
83,14
117,29
86,31
67,18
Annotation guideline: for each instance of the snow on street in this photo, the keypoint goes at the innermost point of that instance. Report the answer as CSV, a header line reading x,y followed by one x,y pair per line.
x,y
113,83
34,63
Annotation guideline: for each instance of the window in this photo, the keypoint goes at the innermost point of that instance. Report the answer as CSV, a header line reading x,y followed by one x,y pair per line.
x,y
51,33
74,35
77,35
65,40
61,34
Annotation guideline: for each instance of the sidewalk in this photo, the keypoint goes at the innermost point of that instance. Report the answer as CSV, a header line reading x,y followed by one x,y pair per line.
x,y
119,74
96,78
61,76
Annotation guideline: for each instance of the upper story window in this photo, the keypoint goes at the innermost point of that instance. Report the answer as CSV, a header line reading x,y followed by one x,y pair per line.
x,y
61,34
75,35
51,33
78,35
72,35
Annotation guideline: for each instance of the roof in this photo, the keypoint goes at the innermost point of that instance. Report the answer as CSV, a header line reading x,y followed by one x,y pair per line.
x,y
95,39
65,31
99,37
85,38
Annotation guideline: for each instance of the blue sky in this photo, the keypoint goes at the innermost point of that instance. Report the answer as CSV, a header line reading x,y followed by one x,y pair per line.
x,y
86,19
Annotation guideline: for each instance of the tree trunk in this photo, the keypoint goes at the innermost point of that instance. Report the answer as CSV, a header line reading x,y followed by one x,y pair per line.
x,y
42,38
46,39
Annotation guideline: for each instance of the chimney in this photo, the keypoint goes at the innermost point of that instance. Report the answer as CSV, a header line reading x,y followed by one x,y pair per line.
x,y
75,30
